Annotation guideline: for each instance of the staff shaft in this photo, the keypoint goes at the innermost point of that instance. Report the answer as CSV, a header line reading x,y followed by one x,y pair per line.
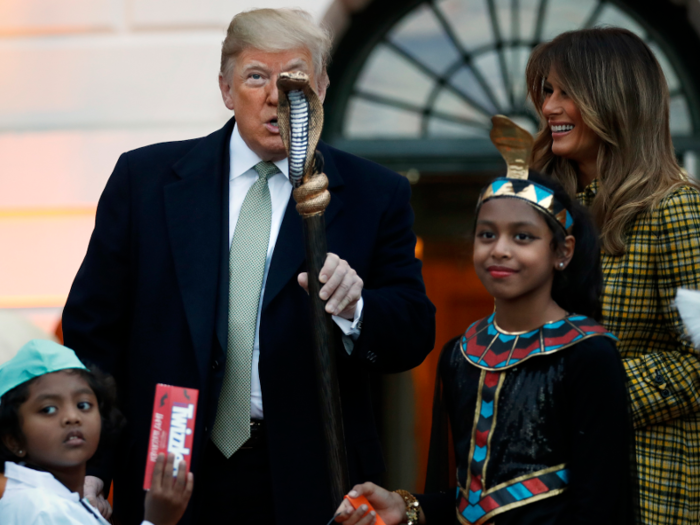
x,y
324,357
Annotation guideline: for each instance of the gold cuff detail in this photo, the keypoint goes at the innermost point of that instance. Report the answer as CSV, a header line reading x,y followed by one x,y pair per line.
x,y
412,506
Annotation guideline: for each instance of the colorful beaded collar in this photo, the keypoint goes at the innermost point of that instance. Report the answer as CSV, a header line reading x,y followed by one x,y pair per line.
x,y
486,346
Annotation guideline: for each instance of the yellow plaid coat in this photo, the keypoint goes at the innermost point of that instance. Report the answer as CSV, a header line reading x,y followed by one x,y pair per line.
x,y
663,368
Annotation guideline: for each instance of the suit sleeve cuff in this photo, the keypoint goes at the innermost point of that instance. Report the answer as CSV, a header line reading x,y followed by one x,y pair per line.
x,y
351,329
348,327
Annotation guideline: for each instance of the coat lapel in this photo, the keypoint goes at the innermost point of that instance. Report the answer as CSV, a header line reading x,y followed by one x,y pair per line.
x,y
289,254
195,219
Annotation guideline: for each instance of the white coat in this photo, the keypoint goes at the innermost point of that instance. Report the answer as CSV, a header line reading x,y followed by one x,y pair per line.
x,y
37,498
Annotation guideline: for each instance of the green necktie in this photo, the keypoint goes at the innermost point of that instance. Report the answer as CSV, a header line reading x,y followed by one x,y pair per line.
x,y
246,268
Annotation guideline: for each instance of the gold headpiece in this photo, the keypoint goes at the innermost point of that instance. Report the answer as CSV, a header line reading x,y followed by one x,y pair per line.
x,y
515,145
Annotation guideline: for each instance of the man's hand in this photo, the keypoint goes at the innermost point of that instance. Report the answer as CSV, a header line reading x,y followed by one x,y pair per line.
x,y
167,500
388,505
341,286
93,490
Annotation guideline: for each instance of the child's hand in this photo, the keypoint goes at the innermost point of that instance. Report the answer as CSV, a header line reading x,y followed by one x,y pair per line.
x,y
93,490
390,506
168,498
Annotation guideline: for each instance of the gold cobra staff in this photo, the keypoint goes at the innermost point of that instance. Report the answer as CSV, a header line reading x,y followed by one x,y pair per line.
x,y
300,120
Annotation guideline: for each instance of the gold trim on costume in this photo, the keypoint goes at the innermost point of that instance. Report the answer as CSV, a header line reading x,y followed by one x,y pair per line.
x,y
512,348
504,508
535,474
475,424
515,504
489,346
547,204
464,490
501,378
576,327
506,332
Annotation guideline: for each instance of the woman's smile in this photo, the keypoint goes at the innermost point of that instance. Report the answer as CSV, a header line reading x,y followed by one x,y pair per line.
x,y
571,137
560,129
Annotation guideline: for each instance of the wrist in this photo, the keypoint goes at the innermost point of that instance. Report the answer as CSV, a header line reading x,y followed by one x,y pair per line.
x,y
93,486
413,508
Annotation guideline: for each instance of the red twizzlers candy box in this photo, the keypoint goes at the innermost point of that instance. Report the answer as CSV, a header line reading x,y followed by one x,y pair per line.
x,y
172,427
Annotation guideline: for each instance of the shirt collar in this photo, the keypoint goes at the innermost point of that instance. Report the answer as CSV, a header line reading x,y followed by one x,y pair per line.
x,y
38,479
587,194
593,186
243,158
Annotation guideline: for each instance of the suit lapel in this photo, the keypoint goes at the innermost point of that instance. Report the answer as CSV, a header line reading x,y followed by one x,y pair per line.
x,y
195,221
197,226
289,254
335,184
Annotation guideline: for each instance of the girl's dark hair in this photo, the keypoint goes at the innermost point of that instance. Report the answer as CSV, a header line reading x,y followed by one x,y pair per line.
x,y
102,385
577,288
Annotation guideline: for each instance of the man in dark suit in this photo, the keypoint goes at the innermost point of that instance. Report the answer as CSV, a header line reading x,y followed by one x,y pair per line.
x,y
194,277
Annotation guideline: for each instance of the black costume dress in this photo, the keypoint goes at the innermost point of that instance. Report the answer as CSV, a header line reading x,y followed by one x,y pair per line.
x,y
540,427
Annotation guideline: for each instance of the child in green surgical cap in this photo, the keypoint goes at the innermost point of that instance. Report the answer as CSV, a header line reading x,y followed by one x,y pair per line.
x,y
53,411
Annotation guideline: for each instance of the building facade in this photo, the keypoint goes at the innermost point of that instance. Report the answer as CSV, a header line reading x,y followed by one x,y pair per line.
x,y
413,86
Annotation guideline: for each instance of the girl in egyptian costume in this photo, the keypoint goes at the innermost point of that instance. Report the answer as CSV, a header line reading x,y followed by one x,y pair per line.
x,y
533,396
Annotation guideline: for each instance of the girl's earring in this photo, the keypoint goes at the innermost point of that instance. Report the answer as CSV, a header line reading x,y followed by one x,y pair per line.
x,y
561,265
20,453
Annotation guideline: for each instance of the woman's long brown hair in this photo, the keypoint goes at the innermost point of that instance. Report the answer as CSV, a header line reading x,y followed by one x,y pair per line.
x,y
618,86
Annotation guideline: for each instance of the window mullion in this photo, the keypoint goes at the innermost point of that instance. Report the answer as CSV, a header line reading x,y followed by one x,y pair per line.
x,y
541,13
500,49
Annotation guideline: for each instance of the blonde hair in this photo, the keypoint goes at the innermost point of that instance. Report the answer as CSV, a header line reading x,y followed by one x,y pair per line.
x,y
276,30
621,92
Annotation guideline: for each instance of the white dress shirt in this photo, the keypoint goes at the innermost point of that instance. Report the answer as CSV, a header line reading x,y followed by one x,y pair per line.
x,y
36,497
241,177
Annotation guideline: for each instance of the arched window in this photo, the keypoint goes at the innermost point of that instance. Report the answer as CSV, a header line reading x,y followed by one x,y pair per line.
x,y
443,68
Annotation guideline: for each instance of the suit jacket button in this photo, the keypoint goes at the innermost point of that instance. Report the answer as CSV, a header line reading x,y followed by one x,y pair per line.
x,y
665,392
215,365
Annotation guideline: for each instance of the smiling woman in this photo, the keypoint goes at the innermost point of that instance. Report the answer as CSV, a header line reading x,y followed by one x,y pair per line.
x,y
572,139
620,158
607,83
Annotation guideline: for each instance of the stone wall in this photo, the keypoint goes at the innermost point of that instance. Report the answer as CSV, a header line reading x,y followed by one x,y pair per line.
x,y
80,82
